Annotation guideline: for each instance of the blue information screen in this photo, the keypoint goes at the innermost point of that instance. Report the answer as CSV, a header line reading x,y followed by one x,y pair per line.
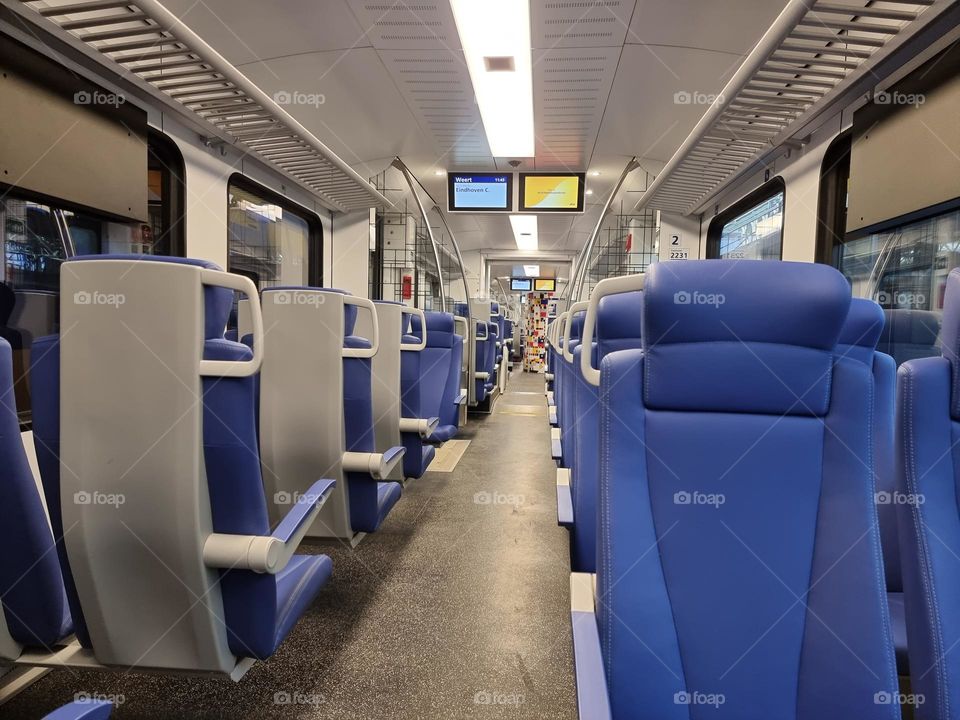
x,y
475,191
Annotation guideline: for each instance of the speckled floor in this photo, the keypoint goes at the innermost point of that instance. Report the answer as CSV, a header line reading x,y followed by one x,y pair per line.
x,y
457,608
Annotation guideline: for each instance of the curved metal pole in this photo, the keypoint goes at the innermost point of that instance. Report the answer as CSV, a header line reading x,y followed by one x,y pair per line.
x,y
407,175
576,284
785,24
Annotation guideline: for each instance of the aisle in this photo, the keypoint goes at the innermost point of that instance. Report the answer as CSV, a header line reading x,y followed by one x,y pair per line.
x,y
457,608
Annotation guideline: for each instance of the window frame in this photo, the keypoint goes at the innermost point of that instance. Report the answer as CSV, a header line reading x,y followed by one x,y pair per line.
x,y
315,235
769,189
831,202
166,152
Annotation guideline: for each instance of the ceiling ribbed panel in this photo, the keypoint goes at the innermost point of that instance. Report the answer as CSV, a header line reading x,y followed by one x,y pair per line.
x,y
831,43
580,23
145,41
419,45
570,87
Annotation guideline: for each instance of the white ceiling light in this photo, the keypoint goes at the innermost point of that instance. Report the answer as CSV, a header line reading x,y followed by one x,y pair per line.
x,y
589,192
495,36
525,231
531,270
438,173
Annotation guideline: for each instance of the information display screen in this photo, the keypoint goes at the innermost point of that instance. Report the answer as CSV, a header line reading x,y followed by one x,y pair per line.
x,y
551,192
521,284
479,192
545,285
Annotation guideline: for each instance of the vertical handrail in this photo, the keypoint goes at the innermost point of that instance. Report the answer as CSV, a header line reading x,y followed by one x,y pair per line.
x,y
575,286
408,176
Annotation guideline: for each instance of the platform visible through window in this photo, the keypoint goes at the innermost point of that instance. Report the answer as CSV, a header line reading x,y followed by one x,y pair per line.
x,y
752,229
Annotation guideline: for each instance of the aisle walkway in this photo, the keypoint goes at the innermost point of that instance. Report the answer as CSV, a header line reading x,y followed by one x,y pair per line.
x,y
457,608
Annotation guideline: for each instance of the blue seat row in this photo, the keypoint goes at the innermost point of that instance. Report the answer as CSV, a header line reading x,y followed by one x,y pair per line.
x,y
741,460
78,573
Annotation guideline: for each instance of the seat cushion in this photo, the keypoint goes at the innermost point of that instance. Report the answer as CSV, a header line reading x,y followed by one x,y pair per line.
x,y
443,433
297,585
387,495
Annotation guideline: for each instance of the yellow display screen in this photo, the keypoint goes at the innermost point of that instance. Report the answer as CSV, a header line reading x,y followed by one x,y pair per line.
x,y
551,192
545,285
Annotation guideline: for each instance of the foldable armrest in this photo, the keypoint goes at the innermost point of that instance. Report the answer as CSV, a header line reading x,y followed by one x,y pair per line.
x,y
423,426
555,450
377,465
554,420
461,398
593,702
82,710
549,377
551,401
564,498
481,375
270,553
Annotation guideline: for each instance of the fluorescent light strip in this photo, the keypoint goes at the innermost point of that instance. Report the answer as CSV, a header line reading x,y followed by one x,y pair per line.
x,y
525,231
499,30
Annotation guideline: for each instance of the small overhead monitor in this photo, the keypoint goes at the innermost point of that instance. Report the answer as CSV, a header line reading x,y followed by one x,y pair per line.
x,y
480,192
551,192
521,284
545,285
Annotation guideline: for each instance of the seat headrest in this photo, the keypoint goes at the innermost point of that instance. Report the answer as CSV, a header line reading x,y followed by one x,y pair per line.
x,y
460,309
618,322
950,337
440,329
349,311
576,327
916,327
861,331
753,336
218,301
494,308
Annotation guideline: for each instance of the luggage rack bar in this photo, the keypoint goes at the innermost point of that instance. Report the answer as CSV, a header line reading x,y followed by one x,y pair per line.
x,y
813,54
142,42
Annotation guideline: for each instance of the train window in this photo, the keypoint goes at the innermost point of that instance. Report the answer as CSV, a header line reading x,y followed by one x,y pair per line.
x,y
752,229
905,268
269,239
834,199
165,202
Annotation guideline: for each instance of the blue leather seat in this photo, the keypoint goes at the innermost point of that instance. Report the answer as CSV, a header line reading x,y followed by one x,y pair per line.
x,y
617,328
420,381
82,710
570,421
440,364
858,341
32,593
259,609
739,572
928,471
370,500
910,334
491,350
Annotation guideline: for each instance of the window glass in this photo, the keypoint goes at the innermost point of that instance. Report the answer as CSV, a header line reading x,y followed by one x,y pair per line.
x,y
756,234
905,270
272,244
35,238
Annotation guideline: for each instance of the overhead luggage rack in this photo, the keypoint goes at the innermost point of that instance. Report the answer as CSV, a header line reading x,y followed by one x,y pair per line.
x,y
149,46
813,54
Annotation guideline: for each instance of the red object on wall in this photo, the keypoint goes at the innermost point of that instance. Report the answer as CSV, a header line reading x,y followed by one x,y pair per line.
x,y
407,291
629,242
